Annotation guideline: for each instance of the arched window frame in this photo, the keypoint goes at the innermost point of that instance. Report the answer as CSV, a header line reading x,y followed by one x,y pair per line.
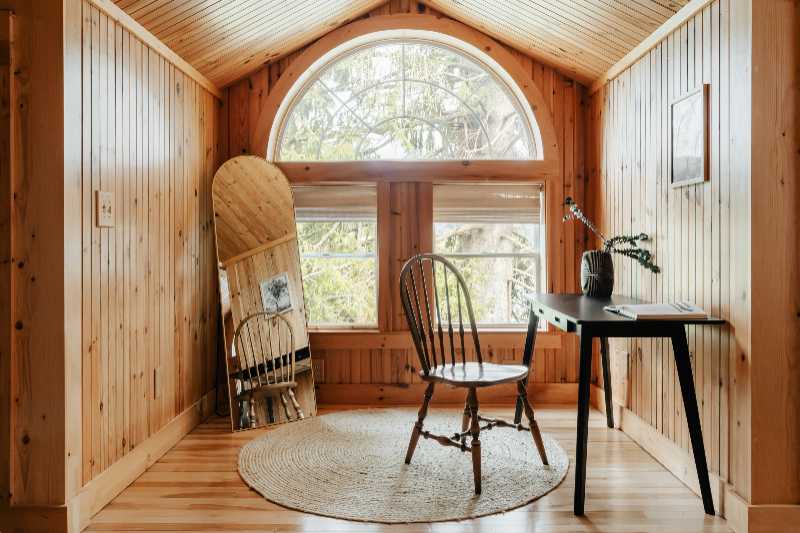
x,y
263,138
342,52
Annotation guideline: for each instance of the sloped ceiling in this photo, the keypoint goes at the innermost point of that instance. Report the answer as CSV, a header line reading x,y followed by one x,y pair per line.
x,y
227,39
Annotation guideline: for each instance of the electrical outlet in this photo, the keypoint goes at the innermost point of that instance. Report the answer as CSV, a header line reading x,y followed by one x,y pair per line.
x,y
104,205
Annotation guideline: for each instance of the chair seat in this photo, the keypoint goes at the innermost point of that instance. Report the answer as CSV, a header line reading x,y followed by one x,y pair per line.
x,y
266,390
473,374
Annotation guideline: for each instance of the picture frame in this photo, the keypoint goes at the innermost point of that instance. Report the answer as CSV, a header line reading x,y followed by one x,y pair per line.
x,y
689,138
275,294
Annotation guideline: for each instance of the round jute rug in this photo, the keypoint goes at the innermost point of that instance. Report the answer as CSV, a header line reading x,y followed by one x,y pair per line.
x,y
350,465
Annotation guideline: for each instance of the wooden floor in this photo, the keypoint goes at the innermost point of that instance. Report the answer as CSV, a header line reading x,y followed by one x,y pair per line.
x,y
195,487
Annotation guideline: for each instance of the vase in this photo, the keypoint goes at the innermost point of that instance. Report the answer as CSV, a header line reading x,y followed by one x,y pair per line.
x,y
597,273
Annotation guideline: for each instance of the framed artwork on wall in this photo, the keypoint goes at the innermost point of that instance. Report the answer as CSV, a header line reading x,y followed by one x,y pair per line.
x,y
689,129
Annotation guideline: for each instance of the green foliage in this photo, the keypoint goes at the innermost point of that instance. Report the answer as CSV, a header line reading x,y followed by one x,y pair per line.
x,y
500,264
625,245
412,100
339,265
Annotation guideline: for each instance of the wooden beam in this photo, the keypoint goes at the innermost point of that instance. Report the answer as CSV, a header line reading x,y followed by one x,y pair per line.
x,y
673,23
259,249
116,13
425,171
6,107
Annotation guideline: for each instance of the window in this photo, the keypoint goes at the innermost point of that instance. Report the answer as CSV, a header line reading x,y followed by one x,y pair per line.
x,y
494,234
337,234
408,99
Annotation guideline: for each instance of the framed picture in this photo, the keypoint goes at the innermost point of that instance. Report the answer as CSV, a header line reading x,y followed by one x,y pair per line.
x,y
689,148
275,294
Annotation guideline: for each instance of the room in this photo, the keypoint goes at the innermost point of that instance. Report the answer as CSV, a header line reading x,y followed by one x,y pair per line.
x,y
399,266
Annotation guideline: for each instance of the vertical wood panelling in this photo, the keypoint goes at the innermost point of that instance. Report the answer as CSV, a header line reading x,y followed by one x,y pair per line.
x,y
691,226
149,289
404,229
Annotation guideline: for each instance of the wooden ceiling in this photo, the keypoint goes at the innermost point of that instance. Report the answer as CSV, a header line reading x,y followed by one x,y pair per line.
x,y
582,38
227,39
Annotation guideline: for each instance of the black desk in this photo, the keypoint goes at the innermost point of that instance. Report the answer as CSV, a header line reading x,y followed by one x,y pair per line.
x,y
585,316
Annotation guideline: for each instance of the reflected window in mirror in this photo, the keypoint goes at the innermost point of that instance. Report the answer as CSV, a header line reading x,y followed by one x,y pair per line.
x,y
337,233
495,235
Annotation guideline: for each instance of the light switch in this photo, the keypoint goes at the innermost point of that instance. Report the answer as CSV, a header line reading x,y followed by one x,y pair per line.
x,y
105,209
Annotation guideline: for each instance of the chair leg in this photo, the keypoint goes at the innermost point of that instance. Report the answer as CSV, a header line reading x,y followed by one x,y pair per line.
x,y
286,407
475,431
465,420
423,412
252,405
295,404
537,435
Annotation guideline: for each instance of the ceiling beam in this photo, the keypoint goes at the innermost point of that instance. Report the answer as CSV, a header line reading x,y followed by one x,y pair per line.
x,y
672,23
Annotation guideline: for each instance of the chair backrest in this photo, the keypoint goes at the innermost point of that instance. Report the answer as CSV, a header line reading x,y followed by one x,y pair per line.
x,y
434,296
264,346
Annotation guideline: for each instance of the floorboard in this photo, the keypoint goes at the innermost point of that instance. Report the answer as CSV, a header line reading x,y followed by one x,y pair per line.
x,y
196,487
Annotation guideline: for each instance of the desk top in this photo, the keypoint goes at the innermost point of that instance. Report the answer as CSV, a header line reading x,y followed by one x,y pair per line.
x,y
581,309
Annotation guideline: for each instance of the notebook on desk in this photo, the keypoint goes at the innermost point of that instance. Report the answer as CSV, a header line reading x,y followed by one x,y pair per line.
x,y
670,311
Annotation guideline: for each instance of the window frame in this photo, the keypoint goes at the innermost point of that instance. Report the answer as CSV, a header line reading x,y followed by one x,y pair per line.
x,y
323,327
541,258
497,73
385,174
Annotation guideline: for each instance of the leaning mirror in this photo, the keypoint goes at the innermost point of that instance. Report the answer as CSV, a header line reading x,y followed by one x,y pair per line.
x,y
267,354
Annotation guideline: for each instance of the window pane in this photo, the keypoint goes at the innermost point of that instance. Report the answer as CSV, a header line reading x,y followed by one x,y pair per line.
x,y
340,290
497,286
494,235
337,234
406,100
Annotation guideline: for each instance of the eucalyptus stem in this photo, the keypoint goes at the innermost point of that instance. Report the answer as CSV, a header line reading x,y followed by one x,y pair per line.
x,y
624,245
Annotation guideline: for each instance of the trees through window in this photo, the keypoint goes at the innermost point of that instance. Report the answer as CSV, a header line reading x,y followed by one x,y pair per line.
x,y
406,100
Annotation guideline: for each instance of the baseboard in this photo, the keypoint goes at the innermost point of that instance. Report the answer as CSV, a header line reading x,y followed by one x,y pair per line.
x,y
746,518
670,455
101,490
411,394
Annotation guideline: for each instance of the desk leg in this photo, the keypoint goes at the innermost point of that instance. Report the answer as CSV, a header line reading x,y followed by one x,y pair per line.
x,y
583,420
683,364
527,358
606,380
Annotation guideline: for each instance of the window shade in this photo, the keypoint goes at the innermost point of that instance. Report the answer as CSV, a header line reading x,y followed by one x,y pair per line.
x,y
335,202
488,203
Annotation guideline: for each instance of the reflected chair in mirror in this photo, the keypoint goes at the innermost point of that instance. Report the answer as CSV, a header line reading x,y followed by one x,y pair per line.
x,y
264,347
436,304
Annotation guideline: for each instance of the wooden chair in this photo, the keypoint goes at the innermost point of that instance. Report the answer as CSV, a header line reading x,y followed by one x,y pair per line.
x,y
434,295
264,346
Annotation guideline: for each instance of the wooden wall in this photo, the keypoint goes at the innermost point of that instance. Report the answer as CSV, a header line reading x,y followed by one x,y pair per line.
x,y
149,289
700,233
388,374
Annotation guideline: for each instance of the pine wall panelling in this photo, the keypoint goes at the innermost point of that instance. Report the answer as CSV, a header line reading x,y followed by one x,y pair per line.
x,y
388,374
699,232
149,294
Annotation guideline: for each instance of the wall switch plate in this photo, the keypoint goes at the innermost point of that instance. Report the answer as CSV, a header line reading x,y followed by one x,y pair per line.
x,y
104,206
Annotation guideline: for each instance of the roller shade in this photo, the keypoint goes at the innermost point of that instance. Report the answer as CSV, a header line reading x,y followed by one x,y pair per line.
x,y
488,203
335,202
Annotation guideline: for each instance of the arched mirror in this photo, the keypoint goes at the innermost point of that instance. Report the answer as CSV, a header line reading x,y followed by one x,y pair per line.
x,y
268,360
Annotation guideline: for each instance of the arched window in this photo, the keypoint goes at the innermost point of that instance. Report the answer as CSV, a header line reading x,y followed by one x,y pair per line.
x,y
408,99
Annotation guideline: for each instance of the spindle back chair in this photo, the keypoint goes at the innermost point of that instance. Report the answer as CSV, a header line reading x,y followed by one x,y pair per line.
x,y
434,295
264,346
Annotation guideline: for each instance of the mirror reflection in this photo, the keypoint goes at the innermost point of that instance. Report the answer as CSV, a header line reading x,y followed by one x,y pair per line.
x,y
268,360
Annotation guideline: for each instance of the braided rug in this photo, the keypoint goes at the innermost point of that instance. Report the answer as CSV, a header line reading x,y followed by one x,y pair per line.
x,y
350,465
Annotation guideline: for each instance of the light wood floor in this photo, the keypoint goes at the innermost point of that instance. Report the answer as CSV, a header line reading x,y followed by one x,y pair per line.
x,y
195,487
